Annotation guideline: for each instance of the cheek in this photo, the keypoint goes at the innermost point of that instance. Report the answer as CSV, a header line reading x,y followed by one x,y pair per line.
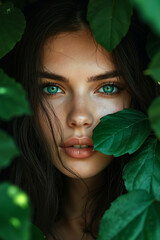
x,y
104,107
59,109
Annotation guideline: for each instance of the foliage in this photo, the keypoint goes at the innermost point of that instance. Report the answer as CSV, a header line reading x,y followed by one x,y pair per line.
x,y
149,11
135,215
15,209
142,171
13,100
154,116
121,132
14,216
116,16
8,149
10,17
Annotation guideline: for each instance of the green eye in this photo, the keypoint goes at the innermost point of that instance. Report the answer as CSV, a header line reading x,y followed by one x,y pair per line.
x,y
52,89
108,89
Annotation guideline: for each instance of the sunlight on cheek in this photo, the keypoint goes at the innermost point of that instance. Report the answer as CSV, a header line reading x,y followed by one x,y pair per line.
x,y
113,106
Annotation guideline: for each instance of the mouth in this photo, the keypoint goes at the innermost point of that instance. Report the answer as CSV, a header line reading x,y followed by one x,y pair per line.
x,y
78,148
79,151
81,146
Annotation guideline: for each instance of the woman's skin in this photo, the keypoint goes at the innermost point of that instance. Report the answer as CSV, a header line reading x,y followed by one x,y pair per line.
x,y
79,98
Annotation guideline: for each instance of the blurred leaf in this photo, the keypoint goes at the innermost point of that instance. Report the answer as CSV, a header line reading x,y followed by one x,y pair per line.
x,y
149,11
153,44
121,132
13,101
36,234
154,67
109,21
143,169
133,216
15,213
11,28
8,149
154,116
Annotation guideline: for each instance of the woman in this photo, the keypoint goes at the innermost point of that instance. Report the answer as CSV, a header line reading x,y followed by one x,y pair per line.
x,y
71,82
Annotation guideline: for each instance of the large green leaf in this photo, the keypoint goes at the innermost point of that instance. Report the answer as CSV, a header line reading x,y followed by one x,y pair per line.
x,y
12,25
15,213
133,216
154,116
8,149
149,10
109,21
143,169
154,67
13,101
121,132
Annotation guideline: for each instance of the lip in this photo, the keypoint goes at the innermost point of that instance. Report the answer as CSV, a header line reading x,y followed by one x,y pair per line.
x,y
78,141
78,152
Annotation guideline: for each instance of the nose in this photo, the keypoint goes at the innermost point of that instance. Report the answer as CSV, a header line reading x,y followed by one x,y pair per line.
x,y
80,116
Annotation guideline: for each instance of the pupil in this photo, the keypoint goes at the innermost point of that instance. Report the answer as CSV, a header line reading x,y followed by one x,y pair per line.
x,y
52,89
108,88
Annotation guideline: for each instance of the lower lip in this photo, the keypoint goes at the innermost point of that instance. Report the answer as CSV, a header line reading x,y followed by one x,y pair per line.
x,y
79,152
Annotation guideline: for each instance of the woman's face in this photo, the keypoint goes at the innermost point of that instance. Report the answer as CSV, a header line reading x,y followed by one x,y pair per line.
x,y
80,83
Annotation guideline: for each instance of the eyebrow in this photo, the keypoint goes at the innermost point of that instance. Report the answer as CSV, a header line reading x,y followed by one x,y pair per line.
x,y
105,75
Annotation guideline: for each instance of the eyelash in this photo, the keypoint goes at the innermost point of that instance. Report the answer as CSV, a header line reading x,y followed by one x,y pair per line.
x,y
112,84
46,85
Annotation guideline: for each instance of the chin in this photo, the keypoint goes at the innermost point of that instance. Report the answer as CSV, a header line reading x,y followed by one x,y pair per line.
x,y
84,168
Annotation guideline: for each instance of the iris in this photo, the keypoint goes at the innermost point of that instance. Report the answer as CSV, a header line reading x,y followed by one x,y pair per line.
x,y
52,89
108,89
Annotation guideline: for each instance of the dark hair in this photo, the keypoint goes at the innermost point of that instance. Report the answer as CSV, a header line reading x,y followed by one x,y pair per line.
x,y
33,170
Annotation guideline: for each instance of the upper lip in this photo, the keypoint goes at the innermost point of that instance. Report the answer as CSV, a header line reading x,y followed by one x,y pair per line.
x,y
77,141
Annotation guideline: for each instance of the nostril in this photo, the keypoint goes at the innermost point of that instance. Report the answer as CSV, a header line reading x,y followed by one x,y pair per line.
x,y
76,120
79,124
86,124
73,124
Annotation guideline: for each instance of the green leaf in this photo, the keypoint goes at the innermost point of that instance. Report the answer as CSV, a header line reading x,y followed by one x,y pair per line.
x,y
154,116
109,21
11,28
143,169
36,233
8,149
13,101
15,213
153,44
133,216
121,132
149,11
154,67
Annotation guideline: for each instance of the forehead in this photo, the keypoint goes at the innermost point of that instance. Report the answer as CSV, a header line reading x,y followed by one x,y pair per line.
x,y
75,48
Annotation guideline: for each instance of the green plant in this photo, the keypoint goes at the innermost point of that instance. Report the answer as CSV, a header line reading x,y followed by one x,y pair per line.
x,y
135,215
15,209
